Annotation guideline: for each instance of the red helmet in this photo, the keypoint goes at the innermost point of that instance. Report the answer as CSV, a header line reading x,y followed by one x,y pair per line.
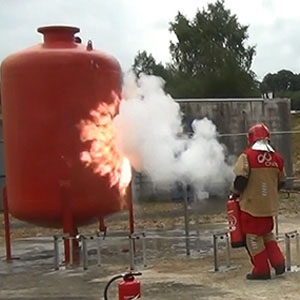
x,y
258,132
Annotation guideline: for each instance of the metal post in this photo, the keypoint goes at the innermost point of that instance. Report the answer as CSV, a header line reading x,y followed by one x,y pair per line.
x,y
98,241
144,249
131,252
276,227
288,251
56,253
197,221
6,224
298,249
84,253
228,258
70,238
130,208
216,263
186,221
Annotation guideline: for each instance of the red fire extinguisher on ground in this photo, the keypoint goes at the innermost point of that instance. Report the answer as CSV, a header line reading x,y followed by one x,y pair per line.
x,y
129,288
237,238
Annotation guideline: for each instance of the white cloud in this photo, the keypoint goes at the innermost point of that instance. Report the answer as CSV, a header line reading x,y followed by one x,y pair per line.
x,y
123,27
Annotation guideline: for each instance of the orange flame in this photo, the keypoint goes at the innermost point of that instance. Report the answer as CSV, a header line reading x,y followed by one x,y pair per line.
x,y
102,156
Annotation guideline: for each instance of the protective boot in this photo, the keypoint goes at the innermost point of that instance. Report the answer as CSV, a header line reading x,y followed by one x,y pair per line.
x,y
275,255
259,258
261,268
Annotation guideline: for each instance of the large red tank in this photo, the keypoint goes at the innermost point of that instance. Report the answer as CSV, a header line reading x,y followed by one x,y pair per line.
x,y
59,99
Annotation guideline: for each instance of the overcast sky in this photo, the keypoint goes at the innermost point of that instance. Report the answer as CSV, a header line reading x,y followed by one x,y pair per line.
x,y
123,27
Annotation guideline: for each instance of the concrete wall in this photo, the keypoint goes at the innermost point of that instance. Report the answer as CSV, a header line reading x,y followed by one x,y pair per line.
x,y
233,117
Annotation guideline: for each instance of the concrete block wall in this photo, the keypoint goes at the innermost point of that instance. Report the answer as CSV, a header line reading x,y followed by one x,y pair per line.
x,y
233,117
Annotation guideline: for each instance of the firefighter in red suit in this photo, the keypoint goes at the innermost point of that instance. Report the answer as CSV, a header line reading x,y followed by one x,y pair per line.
x,y
259,175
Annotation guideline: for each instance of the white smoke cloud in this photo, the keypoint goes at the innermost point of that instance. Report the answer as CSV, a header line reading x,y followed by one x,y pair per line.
x,y
150,134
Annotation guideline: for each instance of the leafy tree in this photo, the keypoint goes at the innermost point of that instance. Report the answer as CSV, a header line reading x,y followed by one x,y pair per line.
x,y
145,63
283,80
284,84
209,58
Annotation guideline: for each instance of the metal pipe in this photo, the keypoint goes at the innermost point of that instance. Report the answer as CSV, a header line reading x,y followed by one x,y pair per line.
x,y
186,221
298,249
144,249
56,253
228,258
216,263
245,134
197,221
98,241
6,224
288,252
70,238
276,227
84,253
130,204
131,252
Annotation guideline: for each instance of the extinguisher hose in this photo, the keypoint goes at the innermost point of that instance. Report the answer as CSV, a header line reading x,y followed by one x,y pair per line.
x,y
109,283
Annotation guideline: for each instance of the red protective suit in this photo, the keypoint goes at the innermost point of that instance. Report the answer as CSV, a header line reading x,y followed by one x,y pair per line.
x,y
259,171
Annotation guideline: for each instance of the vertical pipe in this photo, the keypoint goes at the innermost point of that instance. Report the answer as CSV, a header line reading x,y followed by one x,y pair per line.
x,y
298,249
186,221
68,225
144,249
288,252
131,215
56,253
70,239
102,226
276,227
98,250
197,225
6,224
84,253
130,207
131,252
228,256
67,219
215,246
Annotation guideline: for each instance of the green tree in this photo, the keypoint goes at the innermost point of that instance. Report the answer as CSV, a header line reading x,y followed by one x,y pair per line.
x,y
145,63
209,58
283,84
283,80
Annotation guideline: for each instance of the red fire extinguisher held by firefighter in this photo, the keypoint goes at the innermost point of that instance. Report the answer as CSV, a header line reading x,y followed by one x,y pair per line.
x,y
237,238
129,288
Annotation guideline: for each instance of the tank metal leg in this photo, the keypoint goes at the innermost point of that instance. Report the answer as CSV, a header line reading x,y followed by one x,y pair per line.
x,y
6,225
130,208
69,228
102,227
186,222
56,252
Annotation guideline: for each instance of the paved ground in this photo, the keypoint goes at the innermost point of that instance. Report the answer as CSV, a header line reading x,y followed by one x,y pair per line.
x,y
169,273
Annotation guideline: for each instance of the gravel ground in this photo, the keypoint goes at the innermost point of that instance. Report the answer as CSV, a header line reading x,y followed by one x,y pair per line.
x,y
169,274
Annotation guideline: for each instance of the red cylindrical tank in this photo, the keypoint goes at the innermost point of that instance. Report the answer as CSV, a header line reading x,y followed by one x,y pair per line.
x,y
59,99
